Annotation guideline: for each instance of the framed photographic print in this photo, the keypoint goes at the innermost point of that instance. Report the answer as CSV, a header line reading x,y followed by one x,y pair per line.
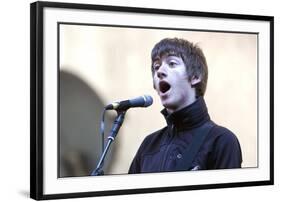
x,y
101,75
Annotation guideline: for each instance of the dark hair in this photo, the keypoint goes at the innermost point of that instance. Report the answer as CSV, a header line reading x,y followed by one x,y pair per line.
x,y
192,56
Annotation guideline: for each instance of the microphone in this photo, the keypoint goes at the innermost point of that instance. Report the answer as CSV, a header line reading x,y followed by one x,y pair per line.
x,y
141,101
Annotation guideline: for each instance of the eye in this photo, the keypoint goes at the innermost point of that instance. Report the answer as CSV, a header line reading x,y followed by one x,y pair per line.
x,y
172,63
156,66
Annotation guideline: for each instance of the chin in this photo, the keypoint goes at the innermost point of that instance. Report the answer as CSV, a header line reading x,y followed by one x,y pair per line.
x,y
168,105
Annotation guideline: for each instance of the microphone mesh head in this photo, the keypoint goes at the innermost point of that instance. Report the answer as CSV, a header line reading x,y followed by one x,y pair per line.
x,y
148,100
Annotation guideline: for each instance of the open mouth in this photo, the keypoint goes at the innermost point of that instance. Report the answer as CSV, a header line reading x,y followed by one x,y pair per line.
x,y
164,86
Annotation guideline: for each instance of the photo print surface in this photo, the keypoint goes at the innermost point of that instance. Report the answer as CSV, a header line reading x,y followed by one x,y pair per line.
x,y
102,64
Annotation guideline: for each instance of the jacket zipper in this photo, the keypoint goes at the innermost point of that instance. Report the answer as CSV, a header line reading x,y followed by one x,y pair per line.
x,y
165,156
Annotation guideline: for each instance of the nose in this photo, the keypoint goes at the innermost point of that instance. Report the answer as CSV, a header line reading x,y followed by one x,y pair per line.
x,y
162,71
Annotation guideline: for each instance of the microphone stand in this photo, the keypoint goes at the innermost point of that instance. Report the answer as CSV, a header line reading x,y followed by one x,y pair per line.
x,y
113,133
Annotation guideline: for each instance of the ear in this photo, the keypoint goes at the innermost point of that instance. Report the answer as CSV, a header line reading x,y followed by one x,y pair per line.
x,y
195,80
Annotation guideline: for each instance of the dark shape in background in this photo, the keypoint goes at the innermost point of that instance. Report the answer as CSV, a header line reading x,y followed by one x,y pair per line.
x,y
79,134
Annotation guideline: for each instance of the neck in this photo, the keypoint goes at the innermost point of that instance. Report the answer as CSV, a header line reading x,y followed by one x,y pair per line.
x,y
189,117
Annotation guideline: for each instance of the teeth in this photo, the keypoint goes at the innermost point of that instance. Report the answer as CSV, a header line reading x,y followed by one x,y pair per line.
x,y
164,86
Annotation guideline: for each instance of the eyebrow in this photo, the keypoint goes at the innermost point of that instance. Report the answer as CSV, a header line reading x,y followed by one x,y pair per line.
x,y
169,54
155,62
158,59
172,54
174,57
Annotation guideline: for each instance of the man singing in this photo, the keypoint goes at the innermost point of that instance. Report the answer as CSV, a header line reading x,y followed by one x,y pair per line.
x,y
191,140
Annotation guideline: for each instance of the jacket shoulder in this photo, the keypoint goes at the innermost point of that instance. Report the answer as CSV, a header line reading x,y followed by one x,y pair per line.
x,y
223,134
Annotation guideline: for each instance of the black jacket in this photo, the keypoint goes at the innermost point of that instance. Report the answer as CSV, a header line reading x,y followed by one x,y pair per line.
x,y
162,150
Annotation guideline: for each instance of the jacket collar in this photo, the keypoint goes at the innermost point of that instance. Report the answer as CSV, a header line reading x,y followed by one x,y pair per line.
x,y
189,117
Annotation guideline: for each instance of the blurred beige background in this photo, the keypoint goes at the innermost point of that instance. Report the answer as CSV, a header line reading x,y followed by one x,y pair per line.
x,y
114,64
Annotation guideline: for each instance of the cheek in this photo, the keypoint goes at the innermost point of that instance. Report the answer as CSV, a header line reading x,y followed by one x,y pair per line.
x,y
183,86
155,81
184,75
181,81
154,85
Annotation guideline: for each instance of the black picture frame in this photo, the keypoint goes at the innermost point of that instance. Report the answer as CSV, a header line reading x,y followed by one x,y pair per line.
x,y
37,98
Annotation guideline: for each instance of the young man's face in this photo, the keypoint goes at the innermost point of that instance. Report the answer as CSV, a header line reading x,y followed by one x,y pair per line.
x,y
171,82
